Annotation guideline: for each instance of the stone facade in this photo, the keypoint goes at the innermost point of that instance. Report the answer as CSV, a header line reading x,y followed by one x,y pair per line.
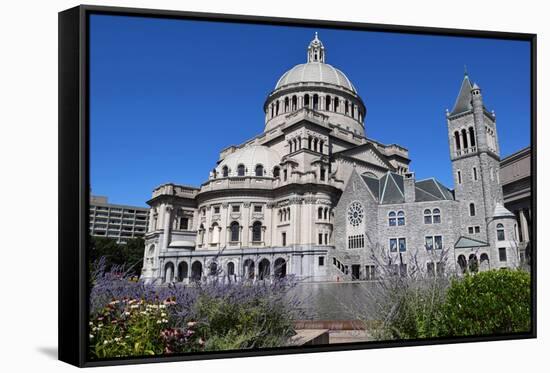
x,y
515,177
313,197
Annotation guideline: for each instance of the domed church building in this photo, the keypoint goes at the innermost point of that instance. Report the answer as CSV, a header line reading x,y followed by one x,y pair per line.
x,y
312,196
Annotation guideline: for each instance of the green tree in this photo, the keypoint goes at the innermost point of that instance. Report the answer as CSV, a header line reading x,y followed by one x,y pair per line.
x,y
129,255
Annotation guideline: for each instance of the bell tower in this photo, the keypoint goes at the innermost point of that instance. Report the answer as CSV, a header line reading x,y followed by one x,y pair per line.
x,y
316,50
475,156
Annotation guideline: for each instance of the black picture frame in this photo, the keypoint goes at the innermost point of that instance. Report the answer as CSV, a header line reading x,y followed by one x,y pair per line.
x,y
74,178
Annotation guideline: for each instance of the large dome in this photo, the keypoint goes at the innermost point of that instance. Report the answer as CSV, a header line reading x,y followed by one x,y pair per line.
x,y
315,72
250,157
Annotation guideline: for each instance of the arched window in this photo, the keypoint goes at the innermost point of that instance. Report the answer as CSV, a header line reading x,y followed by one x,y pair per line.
x,y
353,110
462,263
500,232
294,103
484,262
457,141
225,171
272,106
264,268
322,174
248,269
464,139
306,100
336,103
257,231
437,216
286,104
235,230
346,107
327,103
277,108
326,214
427,216
400,218
472,209
240,170
230,269
320,213
315,102
309,142
473,264
276,171
182,271
315,142
169,272
288,213
280,268
259,170
321,145
392,221
214,173
196,271
472,137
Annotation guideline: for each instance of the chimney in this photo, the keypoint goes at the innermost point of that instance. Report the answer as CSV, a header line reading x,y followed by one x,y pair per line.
x,y
408,182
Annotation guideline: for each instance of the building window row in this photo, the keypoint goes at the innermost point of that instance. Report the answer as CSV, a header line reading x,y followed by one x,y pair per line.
x,y
474,229
284,214
396,243
432,216
434,242
465,141
259,171
396,218
323,238
313,143
356,241
323,213
316,102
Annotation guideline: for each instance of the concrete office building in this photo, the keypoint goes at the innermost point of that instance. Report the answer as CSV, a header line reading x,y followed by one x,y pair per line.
x,y
120,222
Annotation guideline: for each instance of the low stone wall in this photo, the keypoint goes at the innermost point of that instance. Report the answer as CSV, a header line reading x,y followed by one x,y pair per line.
x,y
330,324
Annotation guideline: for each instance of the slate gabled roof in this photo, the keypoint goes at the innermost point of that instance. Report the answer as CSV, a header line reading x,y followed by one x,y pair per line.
x,y
432,190
465,242
390,188
374,185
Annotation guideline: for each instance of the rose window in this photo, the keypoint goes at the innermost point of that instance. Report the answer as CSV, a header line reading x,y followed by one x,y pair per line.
x,y
355,213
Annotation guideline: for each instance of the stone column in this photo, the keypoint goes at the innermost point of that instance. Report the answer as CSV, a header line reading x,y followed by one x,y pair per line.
x,y
166,229
524,225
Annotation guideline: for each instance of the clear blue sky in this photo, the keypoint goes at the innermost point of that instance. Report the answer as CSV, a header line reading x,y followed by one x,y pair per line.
x,y
168,95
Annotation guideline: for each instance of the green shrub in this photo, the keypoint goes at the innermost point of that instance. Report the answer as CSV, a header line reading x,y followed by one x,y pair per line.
x,y
227,324
409,308
487,303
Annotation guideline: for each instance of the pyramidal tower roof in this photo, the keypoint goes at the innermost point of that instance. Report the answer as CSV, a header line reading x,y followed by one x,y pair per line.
x,y
464,100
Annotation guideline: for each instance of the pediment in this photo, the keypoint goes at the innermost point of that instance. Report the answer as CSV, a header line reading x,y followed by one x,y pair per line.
x,y
366,153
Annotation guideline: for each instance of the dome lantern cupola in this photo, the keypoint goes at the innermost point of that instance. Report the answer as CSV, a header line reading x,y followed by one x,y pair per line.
x,y
316,50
